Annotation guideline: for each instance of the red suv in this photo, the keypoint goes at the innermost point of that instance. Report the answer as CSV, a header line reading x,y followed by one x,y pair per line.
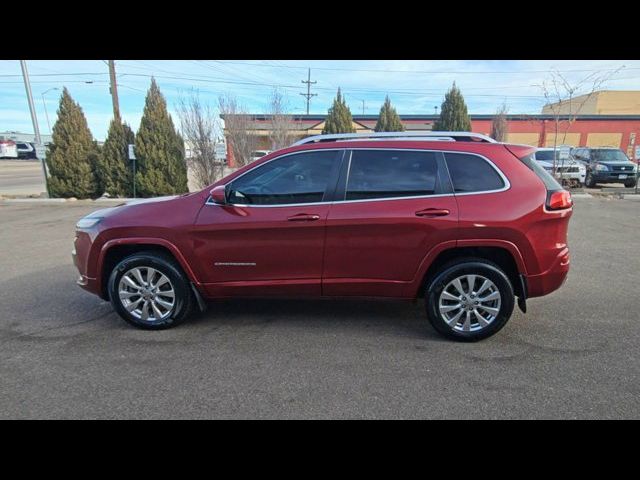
x,y
468,223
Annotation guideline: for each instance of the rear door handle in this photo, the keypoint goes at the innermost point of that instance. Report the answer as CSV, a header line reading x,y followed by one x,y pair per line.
x,y
432,212
303,217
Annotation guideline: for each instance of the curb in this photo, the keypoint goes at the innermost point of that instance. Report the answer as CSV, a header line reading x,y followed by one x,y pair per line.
x,y
58,201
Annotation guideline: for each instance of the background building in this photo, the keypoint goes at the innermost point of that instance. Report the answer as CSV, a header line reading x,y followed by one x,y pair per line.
x,y
591,130
605,102
24,137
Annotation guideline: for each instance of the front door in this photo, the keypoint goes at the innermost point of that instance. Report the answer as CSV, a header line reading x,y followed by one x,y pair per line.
x,y
269,238
397,205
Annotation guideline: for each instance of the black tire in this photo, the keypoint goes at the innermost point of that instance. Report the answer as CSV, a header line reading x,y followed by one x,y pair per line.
x,y
630,183
589,182
184,300
469,266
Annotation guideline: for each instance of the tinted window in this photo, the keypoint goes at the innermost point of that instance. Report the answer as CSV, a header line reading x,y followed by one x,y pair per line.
x,y
549,182
470,173
387,173
298,178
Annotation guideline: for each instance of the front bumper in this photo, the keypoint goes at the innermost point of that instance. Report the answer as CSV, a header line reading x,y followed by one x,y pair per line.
x,y
612,177
80,257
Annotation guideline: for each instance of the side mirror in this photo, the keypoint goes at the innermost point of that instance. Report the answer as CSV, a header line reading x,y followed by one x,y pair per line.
x,y
219,195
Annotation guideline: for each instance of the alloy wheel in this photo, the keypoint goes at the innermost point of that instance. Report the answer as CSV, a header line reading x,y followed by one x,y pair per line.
x,y
469,303
147,294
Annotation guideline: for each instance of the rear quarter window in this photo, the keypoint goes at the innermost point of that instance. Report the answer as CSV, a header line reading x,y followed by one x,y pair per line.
x,y
549,182
471,173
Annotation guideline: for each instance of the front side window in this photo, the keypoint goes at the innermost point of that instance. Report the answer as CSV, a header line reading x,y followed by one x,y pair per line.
x,y
470,173
298,178
389,174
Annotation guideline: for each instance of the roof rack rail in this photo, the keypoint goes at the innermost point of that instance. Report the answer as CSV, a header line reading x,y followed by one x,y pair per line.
x,y
413,135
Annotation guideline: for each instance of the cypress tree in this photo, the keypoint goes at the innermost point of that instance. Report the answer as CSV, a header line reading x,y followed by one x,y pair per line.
x,y
72,155
115,173
453,113
388,119
161,166
339,119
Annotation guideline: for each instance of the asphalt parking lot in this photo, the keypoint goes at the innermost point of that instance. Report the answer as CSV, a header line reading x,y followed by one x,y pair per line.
x,y
65,354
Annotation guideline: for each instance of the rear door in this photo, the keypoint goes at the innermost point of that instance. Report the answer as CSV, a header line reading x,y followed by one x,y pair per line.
x,y
392,207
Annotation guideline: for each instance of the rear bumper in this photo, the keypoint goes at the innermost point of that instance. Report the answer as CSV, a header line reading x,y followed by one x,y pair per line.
x,y
550,280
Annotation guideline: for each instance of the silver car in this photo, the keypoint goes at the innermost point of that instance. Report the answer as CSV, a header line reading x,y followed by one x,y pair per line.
x,y
569,171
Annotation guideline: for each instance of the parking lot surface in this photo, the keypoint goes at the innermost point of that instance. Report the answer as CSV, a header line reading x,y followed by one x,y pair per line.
x,y
65,354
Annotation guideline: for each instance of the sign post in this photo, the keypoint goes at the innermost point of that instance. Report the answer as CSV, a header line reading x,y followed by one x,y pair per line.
x,y
132,158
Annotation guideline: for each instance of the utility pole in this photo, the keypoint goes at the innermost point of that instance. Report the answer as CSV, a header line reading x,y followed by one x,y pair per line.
x,y
34,118
363,107
114,89
308,95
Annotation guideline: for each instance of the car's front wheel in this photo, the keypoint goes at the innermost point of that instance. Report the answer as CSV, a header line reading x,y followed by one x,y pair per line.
x,y
469,299
630,183
150,291
589,181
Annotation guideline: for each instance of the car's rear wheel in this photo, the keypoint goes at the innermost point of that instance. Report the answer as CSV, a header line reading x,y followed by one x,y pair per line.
x,y
150,291
469,299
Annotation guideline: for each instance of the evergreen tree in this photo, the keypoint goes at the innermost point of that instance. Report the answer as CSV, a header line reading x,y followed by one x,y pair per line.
x,y
388,119
161,166
339,119
72,155
114,166
453,113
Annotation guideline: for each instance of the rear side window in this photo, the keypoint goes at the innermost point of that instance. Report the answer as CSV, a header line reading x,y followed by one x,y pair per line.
x,y
390,173
470,173
549,182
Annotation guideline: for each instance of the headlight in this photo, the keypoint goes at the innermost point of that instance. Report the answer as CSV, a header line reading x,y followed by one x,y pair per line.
x,y
601,168
88,222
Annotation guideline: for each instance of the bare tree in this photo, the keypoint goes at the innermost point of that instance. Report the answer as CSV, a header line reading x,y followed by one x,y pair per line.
x,y
237,126
282,125
200,129
565,106
499,126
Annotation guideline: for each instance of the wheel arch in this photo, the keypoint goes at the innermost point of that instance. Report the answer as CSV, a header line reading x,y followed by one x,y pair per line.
x,y
115,250
505,254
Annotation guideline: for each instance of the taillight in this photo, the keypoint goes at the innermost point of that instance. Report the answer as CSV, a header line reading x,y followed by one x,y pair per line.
x,y
558,200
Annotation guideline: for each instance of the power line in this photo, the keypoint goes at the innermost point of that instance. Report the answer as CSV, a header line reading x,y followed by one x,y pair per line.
x,y
430,72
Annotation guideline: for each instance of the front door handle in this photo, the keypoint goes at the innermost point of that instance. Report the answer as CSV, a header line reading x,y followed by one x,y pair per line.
x,y
303,217
432,212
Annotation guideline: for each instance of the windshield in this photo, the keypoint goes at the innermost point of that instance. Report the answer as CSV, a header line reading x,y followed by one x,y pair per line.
x,y
547,156
613,155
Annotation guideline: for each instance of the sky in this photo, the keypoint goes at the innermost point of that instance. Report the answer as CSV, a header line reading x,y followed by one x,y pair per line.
x,y
415,87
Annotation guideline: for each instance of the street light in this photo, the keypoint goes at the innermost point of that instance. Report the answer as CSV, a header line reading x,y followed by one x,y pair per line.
x,y
45,107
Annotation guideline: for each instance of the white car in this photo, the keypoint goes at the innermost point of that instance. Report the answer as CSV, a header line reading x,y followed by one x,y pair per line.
x,y
8,149
256,154
568,170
